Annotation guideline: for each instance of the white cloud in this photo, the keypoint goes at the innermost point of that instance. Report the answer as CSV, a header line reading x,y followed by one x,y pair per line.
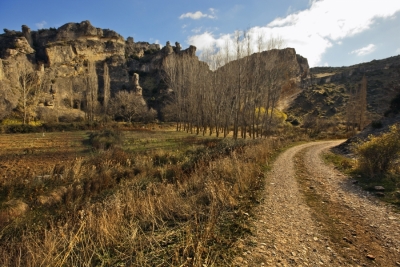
x,y
203,41
195,15
323,24
289,10
158,42
199,15
398,51
41,24
197,30
213,11
364,50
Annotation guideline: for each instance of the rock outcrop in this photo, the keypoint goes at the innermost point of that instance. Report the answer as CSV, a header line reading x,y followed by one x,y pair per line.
x,y
285,61
136,86
26,31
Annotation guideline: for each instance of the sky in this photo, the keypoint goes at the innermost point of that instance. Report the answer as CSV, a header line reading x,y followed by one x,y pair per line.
x,y
326,32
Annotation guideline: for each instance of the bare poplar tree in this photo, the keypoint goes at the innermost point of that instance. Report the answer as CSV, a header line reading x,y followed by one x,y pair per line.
x,y
356,108
238,81
351,111
362,103
240,94
91,91
172,75
275,42
106,77
27,82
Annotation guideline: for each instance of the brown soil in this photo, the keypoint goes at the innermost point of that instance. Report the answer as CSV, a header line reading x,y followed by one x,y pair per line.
x,y
38,152
312,215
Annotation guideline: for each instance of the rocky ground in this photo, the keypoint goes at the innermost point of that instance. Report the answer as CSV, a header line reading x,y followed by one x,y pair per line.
x,y
312,215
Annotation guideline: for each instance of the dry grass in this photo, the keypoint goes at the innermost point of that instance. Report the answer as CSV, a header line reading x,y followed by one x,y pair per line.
x,y
155,208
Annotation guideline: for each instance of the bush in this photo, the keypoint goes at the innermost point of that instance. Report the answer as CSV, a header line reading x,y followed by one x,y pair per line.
x,y
21,128
380,154
394,106
376,124
105,139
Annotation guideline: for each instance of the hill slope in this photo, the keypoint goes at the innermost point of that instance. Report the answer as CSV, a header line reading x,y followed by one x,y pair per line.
x,y
328,89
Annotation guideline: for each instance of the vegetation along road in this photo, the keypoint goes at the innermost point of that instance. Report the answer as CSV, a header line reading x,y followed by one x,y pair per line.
x,y
312,215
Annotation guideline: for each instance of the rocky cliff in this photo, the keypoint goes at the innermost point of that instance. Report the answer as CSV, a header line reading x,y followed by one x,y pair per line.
x,y
327,90
59,57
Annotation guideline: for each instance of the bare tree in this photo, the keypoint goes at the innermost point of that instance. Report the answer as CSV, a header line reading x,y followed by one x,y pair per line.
x,y
238,81
362,103
30,84
356,108
127,106
106,77
91,91
172,74
240,94
275,42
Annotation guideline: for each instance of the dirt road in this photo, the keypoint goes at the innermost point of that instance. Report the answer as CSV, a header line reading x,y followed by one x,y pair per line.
x,y
312,215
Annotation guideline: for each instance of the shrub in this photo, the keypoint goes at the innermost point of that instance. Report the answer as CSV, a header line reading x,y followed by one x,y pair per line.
x,y
380,154
376,124
21,128
394,106
105,139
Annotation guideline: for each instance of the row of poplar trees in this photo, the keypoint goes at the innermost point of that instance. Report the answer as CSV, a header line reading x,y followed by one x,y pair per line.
x,y
239,94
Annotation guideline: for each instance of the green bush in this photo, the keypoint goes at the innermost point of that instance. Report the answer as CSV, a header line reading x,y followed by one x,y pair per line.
x,y
105,139
380,154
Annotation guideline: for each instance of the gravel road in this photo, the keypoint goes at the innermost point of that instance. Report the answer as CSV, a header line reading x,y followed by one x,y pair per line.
x,y
312,215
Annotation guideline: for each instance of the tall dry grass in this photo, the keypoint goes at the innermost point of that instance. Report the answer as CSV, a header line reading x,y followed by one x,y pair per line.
x,y
121,209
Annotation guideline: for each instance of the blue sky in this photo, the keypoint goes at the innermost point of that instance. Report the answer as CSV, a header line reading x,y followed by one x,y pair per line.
x,y
326,32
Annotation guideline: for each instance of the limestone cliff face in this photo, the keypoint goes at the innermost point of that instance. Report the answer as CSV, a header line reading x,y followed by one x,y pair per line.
x,y
285,61
83,41
62,55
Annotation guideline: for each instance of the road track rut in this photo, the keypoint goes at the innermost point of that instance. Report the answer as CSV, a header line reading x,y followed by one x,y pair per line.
x,y
312,215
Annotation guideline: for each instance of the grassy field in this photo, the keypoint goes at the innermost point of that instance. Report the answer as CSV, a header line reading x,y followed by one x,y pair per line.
x,y
159,198
40,151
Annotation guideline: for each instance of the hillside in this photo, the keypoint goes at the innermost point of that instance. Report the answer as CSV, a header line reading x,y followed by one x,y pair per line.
x,y
328,88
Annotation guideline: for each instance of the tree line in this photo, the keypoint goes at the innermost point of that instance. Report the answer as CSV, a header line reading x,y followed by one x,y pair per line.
x,y
237,92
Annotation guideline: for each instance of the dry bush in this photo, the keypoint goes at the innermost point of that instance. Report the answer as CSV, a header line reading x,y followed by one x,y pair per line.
x,y
105,139
380,154
12,209
53,197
